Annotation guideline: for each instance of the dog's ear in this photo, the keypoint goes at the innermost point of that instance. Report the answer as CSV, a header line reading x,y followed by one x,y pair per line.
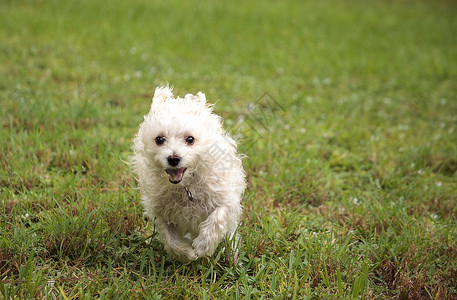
x,y
200,98
162,93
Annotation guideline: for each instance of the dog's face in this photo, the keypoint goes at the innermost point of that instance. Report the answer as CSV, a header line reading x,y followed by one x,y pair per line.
x,y
176,133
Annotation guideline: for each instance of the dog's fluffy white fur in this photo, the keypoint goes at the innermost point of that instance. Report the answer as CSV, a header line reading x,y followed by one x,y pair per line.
x,y
189,173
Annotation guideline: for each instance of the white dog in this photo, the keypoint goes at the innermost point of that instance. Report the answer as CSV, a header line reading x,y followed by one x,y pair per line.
x,y
190,176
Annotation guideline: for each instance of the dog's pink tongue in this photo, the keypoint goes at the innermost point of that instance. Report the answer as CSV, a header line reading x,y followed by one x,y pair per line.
x,y
175,175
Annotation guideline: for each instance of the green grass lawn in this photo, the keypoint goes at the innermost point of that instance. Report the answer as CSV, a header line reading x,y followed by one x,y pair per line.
x,y
352,184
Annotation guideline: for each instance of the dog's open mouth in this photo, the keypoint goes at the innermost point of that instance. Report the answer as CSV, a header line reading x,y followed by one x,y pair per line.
x,y
175,174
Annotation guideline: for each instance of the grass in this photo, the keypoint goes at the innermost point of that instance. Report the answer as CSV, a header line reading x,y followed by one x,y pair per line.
x,y
352,183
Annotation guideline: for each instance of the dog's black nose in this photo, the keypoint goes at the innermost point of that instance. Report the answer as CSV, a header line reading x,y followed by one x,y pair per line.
x,y
173,160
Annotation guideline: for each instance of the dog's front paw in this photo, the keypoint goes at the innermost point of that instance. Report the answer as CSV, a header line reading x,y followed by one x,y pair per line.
x,y
190,255
186,255
181,251
203,246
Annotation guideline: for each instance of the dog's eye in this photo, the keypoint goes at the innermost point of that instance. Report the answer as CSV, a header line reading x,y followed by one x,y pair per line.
x,y
190,140
160,140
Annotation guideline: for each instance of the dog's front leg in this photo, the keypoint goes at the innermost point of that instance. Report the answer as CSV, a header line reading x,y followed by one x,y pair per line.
x,y
176,245
212,230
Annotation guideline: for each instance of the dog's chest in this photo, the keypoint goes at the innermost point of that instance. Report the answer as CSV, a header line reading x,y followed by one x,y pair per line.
x,y
185,211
